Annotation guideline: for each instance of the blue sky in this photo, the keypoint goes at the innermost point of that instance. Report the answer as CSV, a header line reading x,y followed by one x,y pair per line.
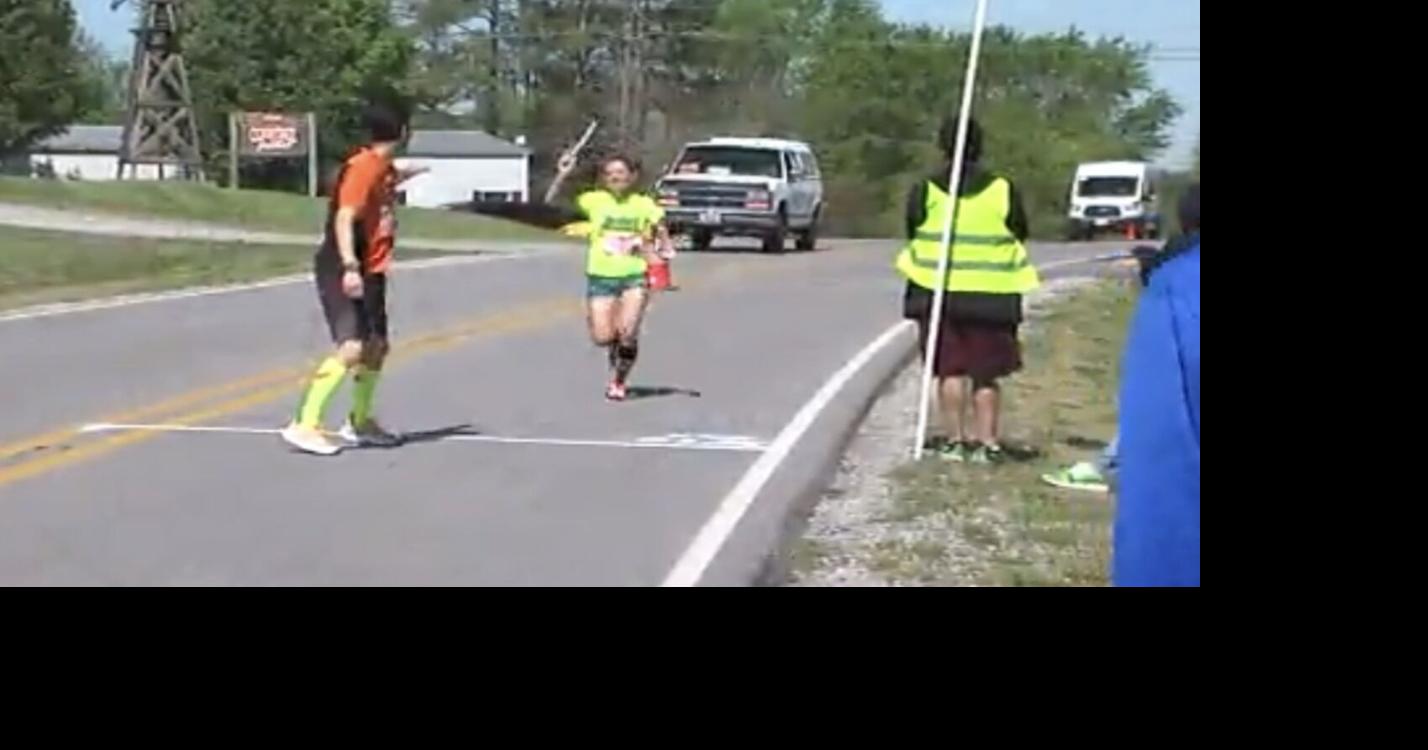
x,y
1171,24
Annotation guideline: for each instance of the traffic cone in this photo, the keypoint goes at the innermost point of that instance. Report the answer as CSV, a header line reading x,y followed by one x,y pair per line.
x,y
1131,231
658,276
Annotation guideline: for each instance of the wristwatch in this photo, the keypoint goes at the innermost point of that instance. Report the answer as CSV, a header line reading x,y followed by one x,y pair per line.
x,y
351,267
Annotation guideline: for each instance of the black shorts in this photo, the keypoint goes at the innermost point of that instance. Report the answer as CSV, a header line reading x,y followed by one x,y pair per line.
x,y
353,319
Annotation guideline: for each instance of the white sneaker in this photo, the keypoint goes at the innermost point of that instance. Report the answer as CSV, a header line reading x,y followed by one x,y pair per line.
x,y
370,435
309,440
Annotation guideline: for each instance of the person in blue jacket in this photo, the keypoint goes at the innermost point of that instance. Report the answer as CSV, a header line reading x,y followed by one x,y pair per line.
x,y
1157,530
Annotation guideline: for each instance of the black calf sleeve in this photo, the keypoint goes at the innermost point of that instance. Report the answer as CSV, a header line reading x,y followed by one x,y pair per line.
x,y
625,356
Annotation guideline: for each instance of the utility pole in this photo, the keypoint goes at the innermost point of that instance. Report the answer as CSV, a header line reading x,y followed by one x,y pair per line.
x,y
493,89
638,83
632,73
623,116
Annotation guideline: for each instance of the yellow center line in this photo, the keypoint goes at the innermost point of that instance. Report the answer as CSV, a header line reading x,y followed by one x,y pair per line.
x,y
47,439
265,387
270,386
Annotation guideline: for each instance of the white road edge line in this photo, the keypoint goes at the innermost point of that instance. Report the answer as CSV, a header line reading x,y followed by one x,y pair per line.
x,y
645,443
129,300
716,531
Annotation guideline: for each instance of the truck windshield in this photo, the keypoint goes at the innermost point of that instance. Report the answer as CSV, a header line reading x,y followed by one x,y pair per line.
x,y
726,160
1107,187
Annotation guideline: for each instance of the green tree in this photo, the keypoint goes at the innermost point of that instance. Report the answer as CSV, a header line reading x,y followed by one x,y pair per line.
x,y
108,80
868,93
323,56
465,71
876,93
43,87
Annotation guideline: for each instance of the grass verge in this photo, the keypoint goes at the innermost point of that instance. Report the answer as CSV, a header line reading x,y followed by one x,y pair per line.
x,y
1002,525
257,210
38,267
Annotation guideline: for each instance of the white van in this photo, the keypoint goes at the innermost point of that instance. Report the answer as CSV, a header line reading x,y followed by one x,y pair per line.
x,y
744,187
1116,196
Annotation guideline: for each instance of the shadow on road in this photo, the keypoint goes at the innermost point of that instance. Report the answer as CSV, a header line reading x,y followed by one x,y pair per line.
x,y
640,392
438,434
750,248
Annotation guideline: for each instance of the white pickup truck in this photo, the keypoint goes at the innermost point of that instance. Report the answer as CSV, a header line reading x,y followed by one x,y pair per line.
x,y
744,187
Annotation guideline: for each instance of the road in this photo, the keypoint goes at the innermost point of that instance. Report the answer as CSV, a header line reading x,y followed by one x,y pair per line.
x,y
519,473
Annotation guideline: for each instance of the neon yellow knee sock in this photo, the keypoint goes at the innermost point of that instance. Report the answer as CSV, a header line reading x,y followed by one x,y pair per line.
x,y
325,382
364,392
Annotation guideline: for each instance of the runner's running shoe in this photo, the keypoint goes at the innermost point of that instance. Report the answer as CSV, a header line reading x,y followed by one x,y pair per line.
x,y
369,435
309,440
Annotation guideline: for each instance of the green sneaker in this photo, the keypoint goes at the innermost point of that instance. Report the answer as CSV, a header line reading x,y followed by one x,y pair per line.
x,y
955,451
987,455
1084,477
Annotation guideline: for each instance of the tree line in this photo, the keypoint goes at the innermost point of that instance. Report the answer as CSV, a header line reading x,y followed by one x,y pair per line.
x,y
867,92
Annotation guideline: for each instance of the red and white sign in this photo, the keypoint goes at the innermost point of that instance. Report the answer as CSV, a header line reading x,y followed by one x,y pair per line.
x,y
272,134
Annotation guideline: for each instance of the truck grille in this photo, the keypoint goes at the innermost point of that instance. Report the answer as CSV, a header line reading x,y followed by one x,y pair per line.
x,y
709,195
1103,212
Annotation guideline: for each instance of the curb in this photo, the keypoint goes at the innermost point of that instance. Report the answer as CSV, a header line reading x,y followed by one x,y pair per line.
x,y
755,554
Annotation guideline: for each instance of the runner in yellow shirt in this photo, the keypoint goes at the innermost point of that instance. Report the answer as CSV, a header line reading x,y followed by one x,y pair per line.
x,y
626,232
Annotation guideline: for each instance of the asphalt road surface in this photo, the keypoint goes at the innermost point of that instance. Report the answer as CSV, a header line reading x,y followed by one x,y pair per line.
x,y
137,445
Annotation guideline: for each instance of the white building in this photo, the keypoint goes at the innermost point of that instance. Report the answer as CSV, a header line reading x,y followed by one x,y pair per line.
x,y
84,152
466,165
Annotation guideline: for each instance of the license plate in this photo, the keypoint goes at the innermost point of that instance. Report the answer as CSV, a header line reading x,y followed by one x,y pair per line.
x,y
711,217
1102,222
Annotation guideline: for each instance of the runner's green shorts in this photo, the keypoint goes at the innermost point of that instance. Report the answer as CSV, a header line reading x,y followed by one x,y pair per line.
x,y
612,286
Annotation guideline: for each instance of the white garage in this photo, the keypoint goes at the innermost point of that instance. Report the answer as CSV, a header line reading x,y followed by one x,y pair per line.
x,y
466,165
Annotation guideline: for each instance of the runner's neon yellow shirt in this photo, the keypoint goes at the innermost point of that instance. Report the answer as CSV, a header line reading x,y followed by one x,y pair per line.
x,y
618,228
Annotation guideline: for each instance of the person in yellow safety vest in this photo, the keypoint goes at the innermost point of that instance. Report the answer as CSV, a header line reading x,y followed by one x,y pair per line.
x,y
627,232
989,271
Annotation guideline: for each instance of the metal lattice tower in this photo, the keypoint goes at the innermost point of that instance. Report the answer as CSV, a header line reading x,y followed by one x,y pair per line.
x,y
160,127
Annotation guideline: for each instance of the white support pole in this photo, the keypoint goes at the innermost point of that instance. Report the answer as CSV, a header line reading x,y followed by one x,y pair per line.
x,y
232,150
312,154
954,188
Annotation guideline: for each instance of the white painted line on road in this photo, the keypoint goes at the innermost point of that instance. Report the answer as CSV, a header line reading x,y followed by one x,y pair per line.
x,y
716,531
129,300
678,442
675,445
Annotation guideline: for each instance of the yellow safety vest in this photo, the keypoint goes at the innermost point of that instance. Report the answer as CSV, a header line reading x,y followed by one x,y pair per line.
x,y
617,231
986,256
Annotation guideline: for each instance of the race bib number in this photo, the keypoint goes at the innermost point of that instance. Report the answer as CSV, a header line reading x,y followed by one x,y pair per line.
x,y
621,244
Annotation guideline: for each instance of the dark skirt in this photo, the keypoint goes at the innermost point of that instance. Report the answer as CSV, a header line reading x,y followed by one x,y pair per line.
x,y
967,347
981,351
